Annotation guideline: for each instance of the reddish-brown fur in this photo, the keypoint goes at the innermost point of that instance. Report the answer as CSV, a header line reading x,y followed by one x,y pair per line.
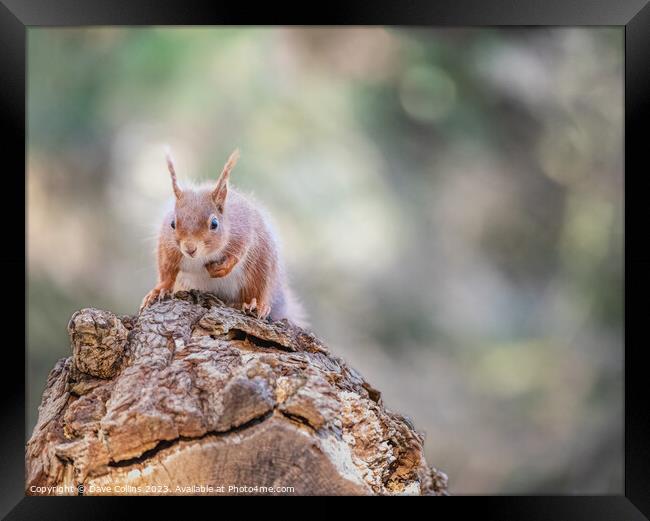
x,y
243,241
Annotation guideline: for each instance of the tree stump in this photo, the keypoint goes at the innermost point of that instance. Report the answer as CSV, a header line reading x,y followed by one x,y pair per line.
x,y
192,397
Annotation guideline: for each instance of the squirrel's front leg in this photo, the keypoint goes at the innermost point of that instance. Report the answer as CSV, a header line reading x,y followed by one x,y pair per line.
x,y
169,262
221,267
236,250
255,296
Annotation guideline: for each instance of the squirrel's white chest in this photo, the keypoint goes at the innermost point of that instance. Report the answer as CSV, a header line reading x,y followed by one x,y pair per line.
x,y
193,275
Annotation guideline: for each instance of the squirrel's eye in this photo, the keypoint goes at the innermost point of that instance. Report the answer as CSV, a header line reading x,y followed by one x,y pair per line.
x,y
173,224
214,224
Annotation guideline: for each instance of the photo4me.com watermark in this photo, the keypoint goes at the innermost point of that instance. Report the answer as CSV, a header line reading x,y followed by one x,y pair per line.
x,y
80,490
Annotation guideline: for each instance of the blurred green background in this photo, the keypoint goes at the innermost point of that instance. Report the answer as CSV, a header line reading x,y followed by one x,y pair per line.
x,y
450,204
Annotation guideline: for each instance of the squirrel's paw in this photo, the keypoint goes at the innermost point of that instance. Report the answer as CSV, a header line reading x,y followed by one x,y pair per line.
x,y
148,299
155,295
249,307
216,269
260,310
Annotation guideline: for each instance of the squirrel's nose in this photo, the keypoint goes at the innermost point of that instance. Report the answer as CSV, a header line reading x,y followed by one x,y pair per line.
x,y
190,250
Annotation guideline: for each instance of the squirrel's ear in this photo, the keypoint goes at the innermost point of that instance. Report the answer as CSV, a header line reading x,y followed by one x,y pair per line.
x,y
221,190
172,171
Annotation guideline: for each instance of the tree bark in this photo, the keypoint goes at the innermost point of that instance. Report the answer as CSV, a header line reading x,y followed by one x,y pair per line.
x,y
192,397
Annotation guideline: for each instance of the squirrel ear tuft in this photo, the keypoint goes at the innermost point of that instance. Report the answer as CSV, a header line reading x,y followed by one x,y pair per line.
x,y
221,190
172,171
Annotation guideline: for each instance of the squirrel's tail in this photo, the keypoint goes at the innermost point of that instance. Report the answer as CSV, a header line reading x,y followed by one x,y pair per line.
x,y
295,310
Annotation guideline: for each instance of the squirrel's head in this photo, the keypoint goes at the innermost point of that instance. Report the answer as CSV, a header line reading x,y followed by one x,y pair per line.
x,y
199,223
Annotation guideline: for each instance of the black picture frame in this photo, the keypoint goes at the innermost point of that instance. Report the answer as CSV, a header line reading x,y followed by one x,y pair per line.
x,y
17,15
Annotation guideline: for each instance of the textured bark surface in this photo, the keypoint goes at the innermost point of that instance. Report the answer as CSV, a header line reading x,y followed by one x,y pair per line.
x,y
191,397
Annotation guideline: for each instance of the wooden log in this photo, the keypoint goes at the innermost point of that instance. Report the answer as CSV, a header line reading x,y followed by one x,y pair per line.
x,y
192,397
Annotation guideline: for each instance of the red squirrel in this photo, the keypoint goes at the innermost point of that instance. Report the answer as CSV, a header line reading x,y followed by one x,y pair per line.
x,y
220,241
